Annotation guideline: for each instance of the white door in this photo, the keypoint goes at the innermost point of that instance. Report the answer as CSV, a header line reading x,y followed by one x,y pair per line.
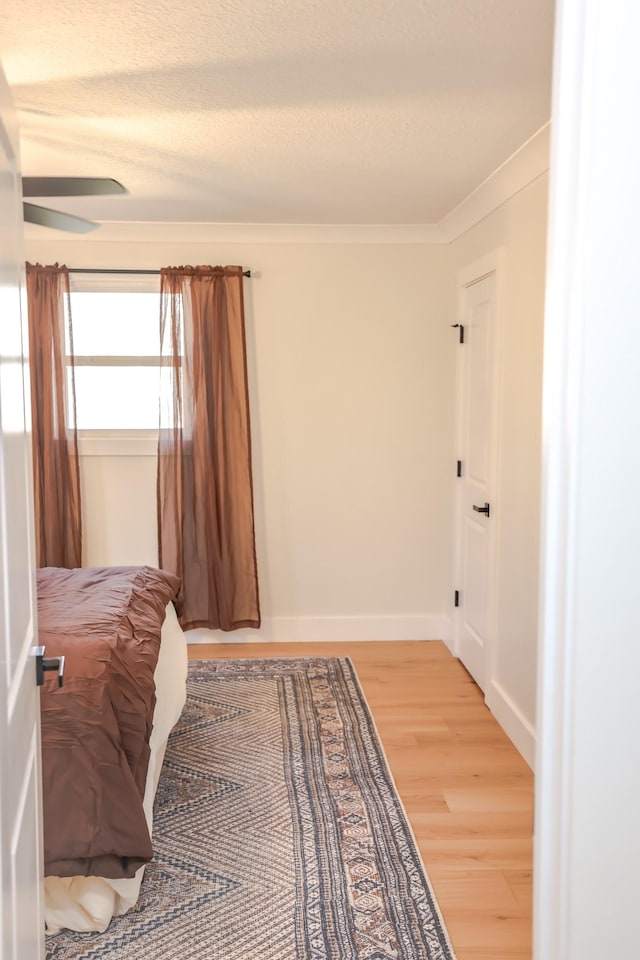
x,y
475,502
21,919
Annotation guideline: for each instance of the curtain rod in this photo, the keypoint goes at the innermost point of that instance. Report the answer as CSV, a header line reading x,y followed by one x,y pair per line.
x,y
150,273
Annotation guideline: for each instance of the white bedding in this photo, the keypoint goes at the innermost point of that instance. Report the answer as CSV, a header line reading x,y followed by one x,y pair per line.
x,y
89,903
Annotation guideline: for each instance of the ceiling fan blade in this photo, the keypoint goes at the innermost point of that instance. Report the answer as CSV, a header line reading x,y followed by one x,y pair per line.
x,y
70,186
56,220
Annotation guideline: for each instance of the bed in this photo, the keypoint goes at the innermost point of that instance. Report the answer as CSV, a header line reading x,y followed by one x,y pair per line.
x,y
104,733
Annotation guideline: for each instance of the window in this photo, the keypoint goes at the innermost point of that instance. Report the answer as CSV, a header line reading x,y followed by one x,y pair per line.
x,y
117,360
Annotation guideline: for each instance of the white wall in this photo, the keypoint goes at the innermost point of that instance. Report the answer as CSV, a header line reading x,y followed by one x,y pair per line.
x,y
118,502
351,384
518,226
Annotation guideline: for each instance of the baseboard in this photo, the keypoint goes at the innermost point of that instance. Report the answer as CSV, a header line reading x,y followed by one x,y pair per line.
x,y
519,730
333,629
447,635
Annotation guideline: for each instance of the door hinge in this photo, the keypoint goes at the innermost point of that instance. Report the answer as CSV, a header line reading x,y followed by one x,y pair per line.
x,y
456,598
458,468
460,331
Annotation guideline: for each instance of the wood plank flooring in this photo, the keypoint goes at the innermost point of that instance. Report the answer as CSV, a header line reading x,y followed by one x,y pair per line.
x,y
466,789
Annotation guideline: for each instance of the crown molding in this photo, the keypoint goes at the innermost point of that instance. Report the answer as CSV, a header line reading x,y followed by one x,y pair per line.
x,y
112,231
524,166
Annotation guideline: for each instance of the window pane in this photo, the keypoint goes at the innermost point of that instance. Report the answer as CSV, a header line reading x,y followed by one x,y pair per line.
x,y
117,398
114,324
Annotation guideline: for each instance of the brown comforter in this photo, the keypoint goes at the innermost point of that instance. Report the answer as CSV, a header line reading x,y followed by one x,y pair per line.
x,y
96,728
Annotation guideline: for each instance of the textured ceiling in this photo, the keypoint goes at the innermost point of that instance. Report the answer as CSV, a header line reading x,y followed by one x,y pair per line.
x,y
268,111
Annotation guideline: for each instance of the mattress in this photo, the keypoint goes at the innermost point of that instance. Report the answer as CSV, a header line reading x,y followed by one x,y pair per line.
x,y
89,903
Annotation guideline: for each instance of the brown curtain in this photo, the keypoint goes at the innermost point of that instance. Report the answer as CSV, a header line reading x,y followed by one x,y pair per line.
x,y
205,497
55,445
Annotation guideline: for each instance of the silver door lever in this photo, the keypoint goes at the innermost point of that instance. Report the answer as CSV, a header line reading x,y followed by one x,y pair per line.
x,y
47,663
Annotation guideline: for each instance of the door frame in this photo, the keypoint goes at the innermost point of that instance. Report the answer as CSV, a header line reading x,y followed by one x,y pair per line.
x,y
587,842
490,263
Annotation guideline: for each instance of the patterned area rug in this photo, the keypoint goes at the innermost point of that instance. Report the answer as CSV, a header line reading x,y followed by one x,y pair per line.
x,y
278,831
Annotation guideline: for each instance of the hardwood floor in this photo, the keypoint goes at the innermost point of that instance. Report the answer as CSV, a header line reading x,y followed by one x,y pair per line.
x,y
466,789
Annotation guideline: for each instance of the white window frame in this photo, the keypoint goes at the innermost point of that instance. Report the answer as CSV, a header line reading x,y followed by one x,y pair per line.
x,y
116,442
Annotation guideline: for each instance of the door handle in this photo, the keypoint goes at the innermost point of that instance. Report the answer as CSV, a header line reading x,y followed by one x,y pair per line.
x,y
486,509
47,663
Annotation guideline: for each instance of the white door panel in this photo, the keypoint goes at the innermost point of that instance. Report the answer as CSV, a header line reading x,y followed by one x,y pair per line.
x,y
476,485
21,919
478,414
